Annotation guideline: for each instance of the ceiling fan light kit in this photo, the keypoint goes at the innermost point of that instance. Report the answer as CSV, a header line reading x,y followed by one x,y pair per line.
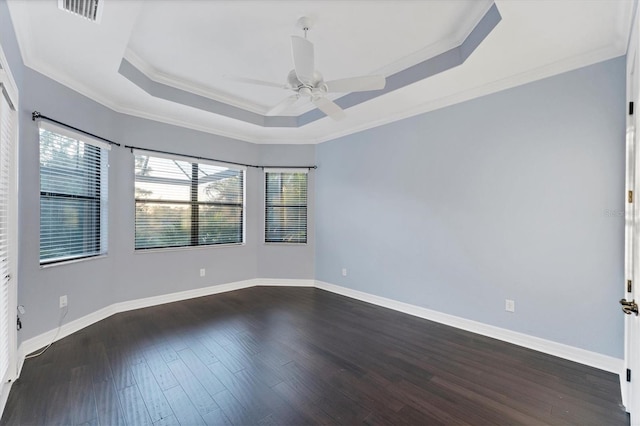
x,y
306,82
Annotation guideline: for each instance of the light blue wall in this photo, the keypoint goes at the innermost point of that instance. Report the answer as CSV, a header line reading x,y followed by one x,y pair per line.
x,y
505,196
124,274
513,195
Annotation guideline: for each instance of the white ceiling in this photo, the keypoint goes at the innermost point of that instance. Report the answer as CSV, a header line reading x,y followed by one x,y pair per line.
x,y
193,45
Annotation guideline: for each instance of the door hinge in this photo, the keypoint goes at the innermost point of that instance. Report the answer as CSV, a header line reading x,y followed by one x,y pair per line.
x,y
628,375
19,325
630,108
629,286
630,197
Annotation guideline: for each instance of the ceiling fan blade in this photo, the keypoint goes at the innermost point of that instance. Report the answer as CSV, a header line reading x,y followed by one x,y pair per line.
x,y
303,59
255,81
330,108
357,84
283,105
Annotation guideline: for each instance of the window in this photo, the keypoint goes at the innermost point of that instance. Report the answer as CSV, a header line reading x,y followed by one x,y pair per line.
x,y
180,203
285,206
73,195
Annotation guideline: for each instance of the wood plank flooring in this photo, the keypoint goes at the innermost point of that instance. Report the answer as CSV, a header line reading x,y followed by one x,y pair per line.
x,y
295,356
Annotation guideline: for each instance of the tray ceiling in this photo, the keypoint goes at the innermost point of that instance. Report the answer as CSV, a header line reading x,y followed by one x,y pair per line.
x,y
192,46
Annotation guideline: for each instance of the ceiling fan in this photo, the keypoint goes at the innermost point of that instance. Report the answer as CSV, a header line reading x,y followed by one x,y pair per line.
x,y
306,82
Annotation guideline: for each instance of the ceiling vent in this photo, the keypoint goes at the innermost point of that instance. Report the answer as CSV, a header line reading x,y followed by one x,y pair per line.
x,y
88,9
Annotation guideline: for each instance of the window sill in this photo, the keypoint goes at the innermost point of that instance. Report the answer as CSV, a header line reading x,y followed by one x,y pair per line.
x,y
186,248
72,261
285,244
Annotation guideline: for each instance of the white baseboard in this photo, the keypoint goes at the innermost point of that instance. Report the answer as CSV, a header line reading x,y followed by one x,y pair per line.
x,y
42,340
582,356
284,282
5,388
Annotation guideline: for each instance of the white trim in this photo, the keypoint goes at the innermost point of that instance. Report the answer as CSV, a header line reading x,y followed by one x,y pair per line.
x,y
42,340
10,91
8,83
277,282
582,356
571,353
452,41
489,88
4,394
23,36
154,74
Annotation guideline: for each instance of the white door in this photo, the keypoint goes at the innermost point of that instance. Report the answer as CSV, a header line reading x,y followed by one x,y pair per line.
x,y
8,229
630,378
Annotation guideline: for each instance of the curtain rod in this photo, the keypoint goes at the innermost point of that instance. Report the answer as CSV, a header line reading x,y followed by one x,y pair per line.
x,y
219,161
36,115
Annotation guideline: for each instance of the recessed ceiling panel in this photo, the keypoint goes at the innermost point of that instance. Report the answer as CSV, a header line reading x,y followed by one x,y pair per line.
x,y
195,44
191,45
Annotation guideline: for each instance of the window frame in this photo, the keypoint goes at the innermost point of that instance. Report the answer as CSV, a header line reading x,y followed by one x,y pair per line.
x,y
267,205
194,234
99,201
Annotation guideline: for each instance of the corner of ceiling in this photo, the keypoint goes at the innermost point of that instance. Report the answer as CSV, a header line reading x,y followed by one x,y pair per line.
x,y
21,27
165,79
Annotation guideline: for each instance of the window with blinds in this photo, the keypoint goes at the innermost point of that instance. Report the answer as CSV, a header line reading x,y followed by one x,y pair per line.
x,y
182,203
73,195
285,206
8,220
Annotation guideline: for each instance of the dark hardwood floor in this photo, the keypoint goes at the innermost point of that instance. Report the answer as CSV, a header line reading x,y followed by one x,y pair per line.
x,y
278,355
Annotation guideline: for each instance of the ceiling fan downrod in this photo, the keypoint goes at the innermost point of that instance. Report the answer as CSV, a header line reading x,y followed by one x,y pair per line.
x,y
304,22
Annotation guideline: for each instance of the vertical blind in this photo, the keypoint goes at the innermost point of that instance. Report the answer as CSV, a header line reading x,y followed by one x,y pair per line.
x,y
285,206
73,195
8,122
182,203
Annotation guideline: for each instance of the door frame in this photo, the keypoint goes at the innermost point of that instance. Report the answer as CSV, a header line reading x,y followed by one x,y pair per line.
x,y
9,88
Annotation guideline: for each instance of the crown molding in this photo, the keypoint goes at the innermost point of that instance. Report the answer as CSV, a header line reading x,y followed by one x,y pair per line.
x,y
26,49
167,119
555,68
403,63
179,83
448,43
447,60
591,58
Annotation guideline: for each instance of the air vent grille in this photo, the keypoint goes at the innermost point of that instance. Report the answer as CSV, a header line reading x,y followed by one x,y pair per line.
x,y
88,9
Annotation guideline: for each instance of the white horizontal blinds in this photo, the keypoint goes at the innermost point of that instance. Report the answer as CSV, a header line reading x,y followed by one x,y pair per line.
x,y
73,195
180,202
7,146
286,206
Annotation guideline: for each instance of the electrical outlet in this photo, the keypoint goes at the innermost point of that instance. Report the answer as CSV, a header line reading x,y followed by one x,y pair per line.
x,y
509,305
202,272
63,301
344,272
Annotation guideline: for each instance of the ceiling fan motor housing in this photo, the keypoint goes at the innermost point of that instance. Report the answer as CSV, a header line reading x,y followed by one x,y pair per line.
x,y
307,90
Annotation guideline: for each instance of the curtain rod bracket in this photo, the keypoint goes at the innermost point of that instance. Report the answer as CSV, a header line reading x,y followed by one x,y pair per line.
x,y
35,115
